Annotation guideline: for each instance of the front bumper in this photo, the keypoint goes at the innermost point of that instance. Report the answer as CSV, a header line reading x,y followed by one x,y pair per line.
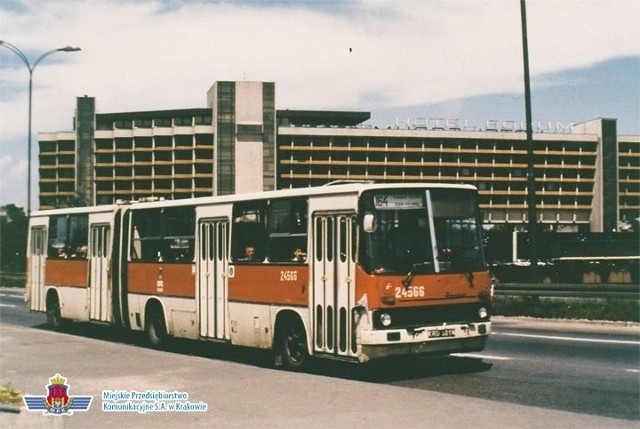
x,y
463,337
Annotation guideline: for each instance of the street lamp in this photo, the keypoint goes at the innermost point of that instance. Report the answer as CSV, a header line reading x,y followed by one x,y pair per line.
x,y
531,179
31,68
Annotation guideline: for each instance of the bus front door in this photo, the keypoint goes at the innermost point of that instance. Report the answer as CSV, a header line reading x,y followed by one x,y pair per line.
x,y
212,278
35,273
99,283
333,283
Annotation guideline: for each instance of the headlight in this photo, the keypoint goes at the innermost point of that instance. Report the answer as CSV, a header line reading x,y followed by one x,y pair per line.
x,y
385,319
483,313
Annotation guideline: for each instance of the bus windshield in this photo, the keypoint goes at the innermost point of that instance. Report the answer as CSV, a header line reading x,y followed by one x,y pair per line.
x,y
418,232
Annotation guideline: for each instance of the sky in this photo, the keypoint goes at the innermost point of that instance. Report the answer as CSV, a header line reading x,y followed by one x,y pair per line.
x,y
398,59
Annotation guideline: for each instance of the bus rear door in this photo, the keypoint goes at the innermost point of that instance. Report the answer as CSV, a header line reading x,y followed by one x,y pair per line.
x,y
212,277
99,250
36,264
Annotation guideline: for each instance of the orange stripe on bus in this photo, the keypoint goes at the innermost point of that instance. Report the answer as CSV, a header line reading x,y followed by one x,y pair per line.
x,y
270,284
66,272
426,289
161,279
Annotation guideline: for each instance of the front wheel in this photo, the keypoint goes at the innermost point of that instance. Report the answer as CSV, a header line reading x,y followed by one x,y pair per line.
x,y
292,346
156,329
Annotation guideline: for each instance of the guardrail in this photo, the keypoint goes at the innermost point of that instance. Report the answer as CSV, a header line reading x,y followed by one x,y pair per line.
x,y
614,290
12,279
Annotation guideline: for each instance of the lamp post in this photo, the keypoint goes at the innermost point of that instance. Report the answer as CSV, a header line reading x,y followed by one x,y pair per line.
x,y
31,68
531,179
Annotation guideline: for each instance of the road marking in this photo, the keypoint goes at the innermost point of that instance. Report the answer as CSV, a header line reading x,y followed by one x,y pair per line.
x,y
8,305
481,356
576,339
12,295
635,371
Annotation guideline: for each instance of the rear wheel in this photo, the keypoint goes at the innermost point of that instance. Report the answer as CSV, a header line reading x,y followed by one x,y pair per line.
x,y
292,345
155,328
54,318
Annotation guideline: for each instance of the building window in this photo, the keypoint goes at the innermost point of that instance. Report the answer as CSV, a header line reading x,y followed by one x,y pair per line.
x,y
249,129
142,123
123,125
104,125
202,120
182,121
162,122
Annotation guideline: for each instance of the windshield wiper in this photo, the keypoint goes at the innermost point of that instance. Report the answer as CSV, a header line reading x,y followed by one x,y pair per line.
x,y
406,282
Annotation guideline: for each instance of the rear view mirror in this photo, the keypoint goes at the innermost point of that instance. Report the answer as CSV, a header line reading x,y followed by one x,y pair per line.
x,y
368,223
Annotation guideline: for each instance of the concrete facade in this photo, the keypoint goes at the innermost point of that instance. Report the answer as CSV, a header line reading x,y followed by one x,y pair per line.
x,y
587,176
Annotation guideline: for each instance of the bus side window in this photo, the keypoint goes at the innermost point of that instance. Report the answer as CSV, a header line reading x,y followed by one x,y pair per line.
x,y
146,229
58,237
288,230
68,237
136,244
178,240
78,236
249,226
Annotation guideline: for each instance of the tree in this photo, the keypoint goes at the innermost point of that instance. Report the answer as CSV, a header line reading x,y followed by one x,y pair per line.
x,y
13,238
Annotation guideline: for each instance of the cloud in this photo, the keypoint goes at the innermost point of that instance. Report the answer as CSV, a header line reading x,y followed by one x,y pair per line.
x,y
166,54
14,169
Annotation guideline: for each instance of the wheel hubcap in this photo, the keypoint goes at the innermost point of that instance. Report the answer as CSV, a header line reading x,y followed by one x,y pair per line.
x,y
294,346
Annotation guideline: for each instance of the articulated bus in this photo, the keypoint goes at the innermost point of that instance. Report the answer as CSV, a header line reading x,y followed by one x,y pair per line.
x,y
351,271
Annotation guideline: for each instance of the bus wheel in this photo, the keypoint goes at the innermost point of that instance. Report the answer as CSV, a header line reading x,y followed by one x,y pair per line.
x,y
155,328
54,319
292,346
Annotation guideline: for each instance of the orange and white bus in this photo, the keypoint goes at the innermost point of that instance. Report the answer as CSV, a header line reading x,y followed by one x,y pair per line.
x,y
350,271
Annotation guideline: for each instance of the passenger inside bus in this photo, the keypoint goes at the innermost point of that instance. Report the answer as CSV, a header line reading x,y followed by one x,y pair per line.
x,y
249,254
80,252
298,255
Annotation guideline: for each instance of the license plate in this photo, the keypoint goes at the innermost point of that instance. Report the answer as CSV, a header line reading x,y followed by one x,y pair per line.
x,y
441,333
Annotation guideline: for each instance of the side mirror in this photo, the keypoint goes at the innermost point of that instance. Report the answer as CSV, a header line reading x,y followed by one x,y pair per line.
x,y
368,223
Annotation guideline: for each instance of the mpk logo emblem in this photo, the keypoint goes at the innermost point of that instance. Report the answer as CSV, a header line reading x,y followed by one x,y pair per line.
x,y
57,402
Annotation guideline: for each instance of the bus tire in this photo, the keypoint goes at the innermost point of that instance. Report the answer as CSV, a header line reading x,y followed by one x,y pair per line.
x,y
155,328
54,318
292,345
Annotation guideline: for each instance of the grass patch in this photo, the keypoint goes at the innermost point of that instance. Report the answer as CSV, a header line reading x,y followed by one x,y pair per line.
x,y
9,395
565,308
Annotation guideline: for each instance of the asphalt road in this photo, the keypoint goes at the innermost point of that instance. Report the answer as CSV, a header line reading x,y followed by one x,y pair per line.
x,y
532,374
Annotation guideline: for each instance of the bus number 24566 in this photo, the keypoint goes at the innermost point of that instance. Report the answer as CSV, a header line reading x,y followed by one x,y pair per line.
x,y
288,276
409,292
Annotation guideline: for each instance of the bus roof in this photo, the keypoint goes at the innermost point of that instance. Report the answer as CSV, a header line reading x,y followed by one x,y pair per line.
x,y
329,189
75,210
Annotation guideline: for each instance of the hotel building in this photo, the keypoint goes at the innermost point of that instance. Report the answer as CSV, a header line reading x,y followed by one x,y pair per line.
x,y
587,176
